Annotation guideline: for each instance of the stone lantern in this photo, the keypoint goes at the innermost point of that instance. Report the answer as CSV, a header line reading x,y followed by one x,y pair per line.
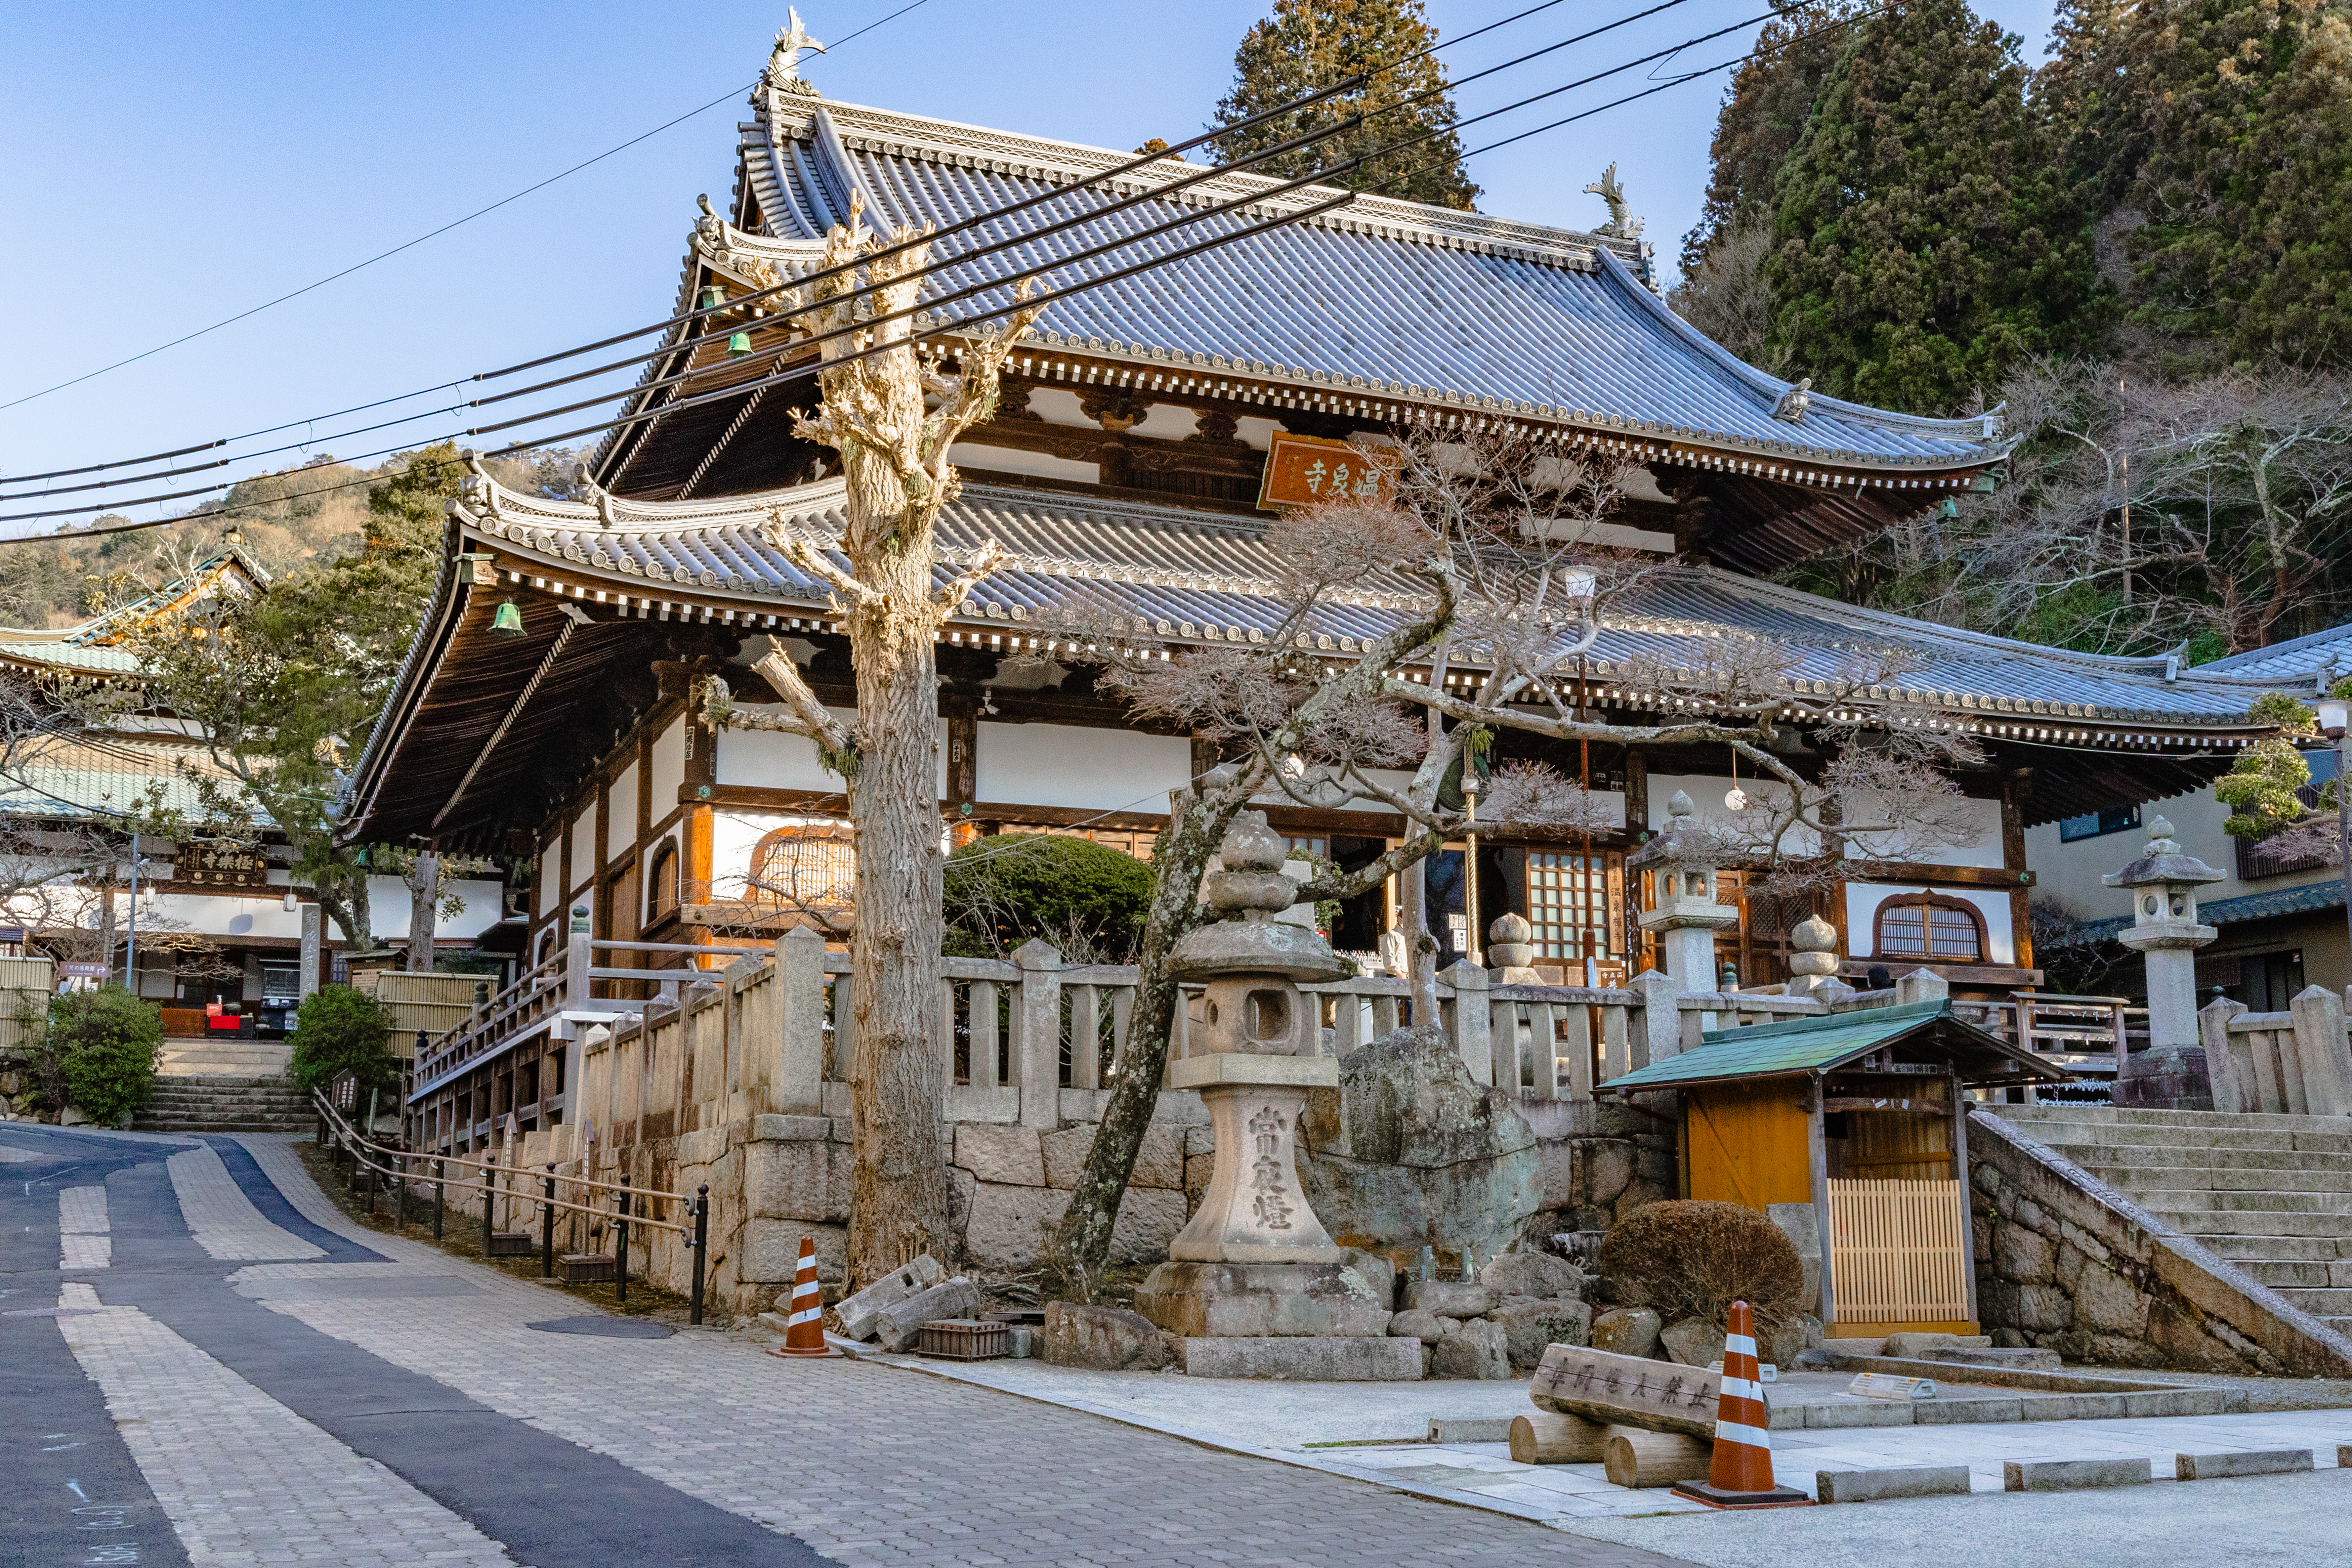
x,y
1255,1284
1814,961
1684,913
2170,1074
1511,951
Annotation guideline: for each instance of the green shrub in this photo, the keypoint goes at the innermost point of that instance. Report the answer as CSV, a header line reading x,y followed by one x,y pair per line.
x,y
1086,898
337,1030
1693,1260
103,1044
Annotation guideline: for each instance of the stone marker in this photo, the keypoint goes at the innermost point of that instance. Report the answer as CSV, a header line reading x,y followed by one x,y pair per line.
x,y
1878,1486
2216,1467
858,1313
2069,1475
1885,1386
1541,1437
1632,1457
1626,1390
898,1324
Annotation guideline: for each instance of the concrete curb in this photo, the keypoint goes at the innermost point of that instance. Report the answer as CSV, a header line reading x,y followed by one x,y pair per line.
x,y
2216,1467
1878,1486
2072,1475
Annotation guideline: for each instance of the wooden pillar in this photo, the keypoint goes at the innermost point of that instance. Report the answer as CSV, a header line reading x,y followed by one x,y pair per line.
x,y
2014,794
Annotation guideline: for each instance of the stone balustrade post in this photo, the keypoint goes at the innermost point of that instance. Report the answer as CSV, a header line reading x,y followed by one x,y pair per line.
x,y
798,1085
1656,1026
1038,1034
2320,1046
579,957
2231,1091
1921,985
1473,1025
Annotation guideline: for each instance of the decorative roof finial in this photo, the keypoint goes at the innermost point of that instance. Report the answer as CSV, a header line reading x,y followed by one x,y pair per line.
x,y
1619,226
1794,402
784,61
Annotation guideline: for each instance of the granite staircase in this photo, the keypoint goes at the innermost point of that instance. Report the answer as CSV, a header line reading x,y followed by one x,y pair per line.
x,y
184,1104
2272,1194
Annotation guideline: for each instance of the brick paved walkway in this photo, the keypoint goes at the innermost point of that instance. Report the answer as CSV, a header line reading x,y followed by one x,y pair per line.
x,y
864,1463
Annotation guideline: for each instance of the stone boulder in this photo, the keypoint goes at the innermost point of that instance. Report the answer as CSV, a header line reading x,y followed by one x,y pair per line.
x,y
1536,1274
1427,1327
1627,1331
1477,1349
1101,1339
1448,1298
1415,1153
1793,1338
1529,1328
1693,1342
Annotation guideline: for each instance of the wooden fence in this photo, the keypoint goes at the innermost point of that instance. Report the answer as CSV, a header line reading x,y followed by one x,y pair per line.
x,y
1899,1252
26,986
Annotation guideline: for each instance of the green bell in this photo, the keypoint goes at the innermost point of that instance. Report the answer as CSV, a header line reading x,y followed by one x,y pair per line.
x,y
507,623
740,343
1947,507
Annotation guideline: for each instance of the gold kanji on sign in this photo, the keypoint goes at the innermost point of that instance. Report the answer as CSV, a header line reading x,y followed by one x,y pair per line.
x,y
1301,470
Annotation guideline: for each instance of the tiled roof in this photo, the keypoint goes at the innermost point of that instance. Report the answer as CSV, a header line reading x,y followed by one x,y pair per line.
x,y
2263,906
1379,298
2297,662
1206,578
1816,1045
102,775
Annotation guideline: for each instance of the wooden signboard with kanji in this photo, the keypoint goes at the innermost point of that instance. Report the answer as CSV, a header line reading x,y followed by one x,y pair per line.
x,y
1627,1390
1301,470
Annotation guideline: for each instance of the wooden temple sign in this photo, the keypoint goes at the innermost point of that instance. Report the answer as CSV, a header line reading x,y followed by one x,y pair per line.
x,y
220,864
1626,1390
1301,470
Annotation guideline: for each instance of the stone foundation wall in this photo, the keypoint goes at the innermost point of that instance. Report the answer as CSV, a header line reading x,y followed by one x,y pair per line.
x,y
2066,1263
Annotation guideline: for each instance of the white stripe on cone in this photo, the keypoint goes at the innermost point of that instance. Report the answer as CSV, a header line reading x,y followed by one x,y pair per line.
x,y
810,1316
1741,1388
1739,1344
1733,1432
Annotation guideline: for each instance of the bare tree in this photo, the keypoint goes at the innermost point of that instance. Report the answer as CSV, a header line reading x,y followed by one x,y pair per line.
x,y
892,412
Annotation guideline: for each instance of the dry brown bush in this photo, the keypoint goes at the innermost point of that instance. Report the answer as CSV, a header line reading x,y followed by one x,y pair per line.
x,y
1690,1259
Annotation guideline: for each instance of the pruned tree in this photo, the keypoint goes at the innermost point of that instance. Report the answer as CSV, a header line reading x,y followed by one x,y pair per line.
x,y
892,412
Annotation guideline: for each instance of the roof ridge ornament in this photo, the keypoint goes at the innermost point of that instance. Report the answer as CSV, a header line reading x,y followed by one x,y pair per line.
x,y
784,72
1619,224
1794,402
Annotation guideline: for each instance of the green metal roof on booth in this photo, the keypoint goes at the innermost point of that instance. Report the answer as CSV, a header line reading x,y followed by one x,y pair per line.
x,y
1816,1046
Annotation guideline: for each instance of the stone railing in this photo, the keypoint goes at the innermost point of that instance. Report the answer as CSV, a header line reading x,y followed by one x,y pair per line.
x,y
2298,1061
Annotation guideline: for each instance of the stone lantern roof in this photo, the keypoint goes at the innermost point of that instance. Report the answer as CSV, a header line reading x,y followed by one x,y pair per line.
x,y
2163,863
1681,843
1249,890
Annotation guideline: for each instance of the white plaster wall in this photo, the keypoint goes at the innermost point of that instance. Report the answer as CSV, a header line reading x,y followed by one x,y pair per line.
x,y
1611,803
1862,898
215,915
1984,815
1069,766
551,867
669,767
1706,792
584,850
1059,405
621,826
763,759
388,911
1169,422
734,834
1021,460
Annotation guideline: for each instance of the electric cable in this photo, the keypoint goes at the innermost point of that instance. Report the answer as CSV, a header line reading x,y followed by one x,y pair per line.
x,y
1294,106
801,369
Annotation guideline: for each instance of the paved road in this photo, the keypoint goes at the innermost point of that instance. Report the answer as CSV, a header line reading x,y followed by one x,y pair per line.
x,y
280,1385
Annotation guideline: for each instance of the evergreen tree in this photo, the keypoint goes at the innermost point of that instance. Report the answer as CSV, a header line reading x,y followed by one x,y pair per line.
x,y
1308,45
1923,235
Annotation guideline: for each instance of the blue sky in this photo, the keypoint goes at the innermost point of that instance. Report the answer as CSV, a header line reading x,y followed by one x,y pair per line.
x,y
164,166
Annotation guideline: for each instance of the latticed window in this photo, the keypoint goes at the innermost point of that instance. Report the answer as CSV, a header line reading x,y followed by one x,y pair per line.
x,y
663,893
810,866
1943,931
1567,904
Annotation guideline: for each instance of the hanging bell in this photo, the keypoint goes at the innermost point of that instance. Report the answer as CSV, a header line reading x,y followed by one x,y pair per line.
x,y
1947,509
507,623
739,343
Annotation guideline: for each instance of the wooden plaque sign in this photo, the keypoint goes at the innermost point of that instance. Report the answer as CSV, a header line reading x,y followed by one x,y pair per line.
x,y
1627,1390
1303,470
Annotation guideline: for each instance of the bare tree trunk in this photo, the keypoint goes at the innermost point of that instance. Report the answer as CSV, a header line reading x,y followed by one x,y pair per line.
x,y
106,918
1419,948
424,899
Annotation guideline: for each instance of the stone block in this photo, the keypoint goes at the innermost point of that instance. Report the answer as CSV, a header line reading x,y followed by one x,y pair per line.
x,y
1101,1339
1010,1225
1250,1301
2109,1303
1861,1413
1606,1170
1322,1359
1009,1155
1556,1170
897,1325
1149,1219
1021,1341
2070,1475
2217,1467
1693,1342
1627,1331
2174,1401
1535,1327
1915,1347
1536,1274
1801,1333
2043,1307
1159,1162
1470,1430
1478,1349
1879,1486
1379,1272
803,1179
1448,1298
1417,1325
1199,1139
858,1314
2022,1255
769,1250
1945,1412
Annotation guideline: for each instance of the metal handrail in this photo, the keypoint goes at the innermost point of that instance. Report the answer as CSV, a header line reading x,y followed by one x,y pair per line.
x,y
698,1235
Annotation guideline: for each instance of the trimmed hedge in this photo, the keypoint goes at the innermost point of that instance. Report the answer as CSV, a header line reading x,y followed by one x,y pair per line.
x,y
104,1044
1693,1260
338,1029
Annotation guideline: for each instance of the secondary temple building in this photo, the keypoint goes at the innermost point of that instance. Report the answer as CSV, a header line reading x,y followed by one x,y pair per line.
x,y
545,710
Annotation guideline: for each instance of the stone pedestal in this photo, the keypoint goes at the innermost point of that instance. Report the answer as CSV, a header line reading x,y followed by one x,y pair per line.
x,y
1255,1208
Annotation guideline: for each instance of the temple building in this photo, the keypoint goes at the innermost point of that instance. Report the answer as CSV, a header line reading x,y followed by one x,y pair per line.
x,y
545,710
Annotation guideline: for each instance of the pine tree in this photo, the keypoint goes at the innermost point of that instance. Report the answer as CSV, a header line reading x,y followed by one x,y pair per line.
x,y
1308,44
1925,237
2239,164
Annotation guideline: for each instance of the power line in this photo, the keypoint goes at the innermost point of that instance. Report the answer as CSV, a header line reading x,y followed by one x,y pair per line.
x,y
799,371
432,233
740,302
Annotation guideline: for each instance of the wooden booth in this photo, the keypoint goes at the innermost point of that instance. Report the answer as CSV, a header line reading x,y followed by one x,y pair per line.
x,y
1862,1115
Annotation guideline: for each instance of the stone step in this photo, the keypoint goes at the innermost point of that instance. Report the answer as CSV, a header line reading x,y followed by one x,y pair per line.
x,y
2194,1200
2160,1178
2186,1121
2213,1226
2321,1302
2158,1157
2066,1137
2284,1249
2280,1275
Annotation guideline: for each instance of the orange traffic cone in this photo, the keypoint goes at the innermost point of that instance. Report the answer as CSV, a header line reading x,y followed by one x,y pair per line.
x,y
1742,1474
804,1328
